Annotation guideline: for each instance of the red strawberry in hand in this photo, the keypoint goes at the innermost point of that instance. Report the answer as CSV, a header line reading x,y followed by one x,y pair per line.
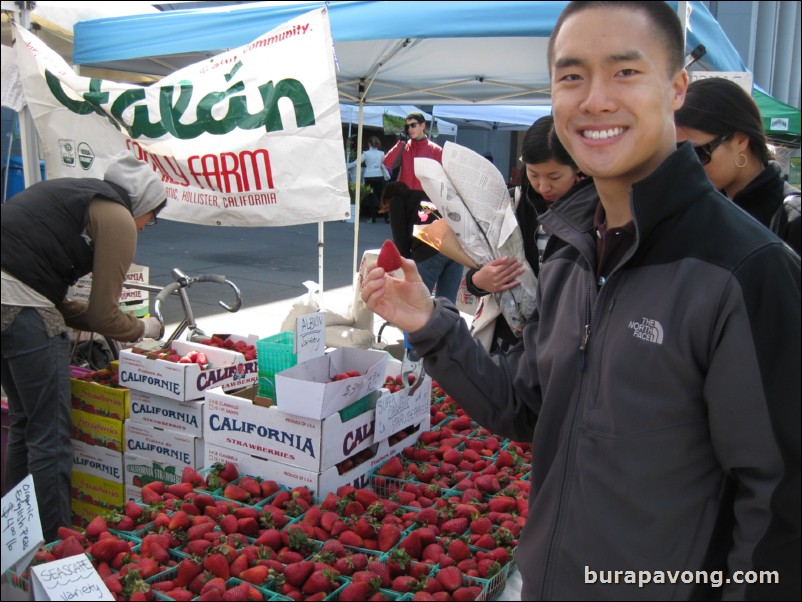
x,y
389,257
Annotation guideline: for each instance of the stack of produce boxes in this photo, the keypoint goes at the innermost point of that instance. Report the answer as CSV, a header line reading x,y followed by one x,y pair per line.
x,y
99,410
132,301
164,432
321,432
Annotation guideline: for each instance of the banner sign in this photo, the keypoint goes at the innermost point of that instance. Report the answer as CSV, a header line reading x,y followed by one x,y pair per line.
x,y
249,137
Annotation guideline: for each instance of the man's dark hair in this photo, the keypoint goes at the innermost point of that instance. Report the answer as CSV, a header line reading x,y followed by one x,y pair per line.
x,y
665,21
541,144
720,107
417,117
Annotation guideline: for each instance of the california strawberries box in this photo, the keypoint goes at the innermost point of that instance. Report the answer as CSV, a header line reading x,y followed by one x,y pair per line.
x,y
351,471
96,460
97,430
140,470
95,392
186,381
155,410
319,387
247,422
163,445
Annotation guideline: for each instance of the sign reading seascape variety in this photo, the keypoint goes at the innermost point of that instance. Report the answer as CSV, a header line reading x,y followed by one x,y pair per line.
x,y
250,137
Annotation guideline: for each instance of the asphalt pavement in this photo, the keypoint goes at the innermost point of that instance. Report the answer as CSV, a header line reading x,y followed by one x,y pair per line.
x,y
269,265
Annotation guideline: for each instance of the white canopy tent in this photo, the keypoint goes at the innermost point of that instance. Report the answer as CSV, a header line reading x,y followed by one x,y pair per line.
x,y
387,53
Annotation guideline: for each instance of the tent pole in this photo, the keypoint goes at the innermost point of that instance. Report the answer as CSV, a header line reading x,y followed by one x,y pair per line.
x,y
28,140
358,177
320,259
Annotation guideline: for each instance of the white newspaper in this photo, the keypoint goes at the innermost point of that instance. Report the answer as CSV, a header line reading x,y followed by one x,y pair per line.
x,y
471,195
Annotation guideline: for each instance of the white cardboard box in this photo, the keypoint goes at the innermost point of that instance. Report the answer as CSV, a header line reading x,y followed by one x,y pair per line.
x,y
305,390
251,424
81,290
186,381
163,445
141,470
320,483
155,410
96,460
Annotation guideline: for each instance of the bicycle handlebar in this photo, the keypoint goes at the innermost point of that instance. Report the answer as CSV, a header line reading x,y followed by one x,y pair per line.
x,y
183,281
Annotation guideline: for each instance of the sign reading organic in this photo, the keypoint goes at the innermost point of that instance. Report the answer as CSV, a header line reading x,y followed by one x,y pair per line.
x,y
233,137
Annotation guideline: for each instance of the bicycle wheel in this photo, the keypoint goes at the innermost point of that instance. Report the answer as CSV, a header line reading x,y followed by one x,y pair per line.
x,y
92,354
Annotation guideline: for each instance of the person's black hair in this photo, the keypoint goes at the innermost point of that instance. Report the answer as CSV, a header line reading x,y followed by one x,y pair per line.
x,y
417,117
541,144
375,142
665,21
720,107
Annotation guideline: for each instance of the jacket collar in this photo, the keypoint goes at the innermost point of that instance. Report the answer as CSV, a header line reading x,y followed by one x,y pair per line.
x,y
679,181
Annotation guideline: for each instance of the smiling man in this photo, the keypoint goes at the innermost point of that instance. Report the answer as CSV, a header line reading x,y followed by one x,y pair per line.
x,y
658,379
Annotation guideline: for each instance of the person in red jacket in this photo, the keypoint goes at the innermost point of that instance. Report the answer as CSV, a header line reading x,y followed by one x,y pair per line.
x,y
418,145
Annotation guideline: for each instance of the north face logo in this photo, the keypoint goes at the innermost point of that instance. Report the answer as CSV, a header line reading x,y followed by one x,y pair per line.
x,y
648,330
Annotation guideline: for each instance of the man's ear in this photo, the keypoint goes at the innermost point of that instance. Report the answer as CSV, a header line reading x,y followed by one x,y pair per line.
x,y
679,85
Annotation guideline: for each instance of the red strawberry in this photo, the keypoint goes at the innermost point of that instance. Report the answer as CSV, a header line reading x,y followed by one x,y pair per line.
x,y
180,593
106,549
256,574
412,545
380,569
456,526
389,257
361,590
229,472
197,547
297,573
450,578
192,476
179,521
404,583
236,493
71,547
459,550
180,489
96,527
186,572
319,581
238,592
388,536
217,564
392,468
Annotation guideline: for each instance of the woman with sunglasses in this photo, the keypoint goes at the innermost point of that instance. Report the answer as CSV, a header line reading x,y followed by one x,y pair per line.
x,y
549,173
725,127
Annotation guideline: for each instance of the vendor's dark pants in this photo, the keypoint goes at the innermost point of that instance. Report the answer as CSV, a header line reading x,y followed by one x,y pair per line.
x,y
378,187
36,378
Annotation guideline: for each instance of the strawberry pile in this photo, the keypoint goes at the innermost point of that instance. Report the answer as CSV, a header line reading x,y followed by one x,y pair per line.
x,y
249,351
440,521
106,377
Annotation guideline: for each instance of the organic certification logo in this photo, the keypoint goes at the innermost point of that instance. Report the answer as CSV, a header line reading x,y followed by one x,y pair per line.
x,y
67,152
85,155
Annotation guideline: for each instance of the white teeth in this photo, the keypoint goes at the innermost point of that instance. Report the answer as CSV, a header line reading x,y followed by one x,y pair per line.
x,y
602,134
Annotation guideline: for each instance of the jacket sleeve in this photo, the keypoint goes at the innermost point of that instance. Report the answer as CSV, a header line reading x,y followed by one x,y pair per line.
x,y
472,288
113,232
500,391
392,155
752,393
400,226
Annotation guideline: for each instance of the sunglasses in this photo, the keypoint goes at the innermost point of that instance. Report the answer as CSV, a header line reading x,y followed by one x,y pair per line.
x,y
409,126
705,151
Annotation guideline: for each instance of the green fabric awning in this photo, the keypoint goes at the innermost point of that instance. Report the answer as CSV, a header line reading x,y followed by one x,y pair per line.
x,y
780,121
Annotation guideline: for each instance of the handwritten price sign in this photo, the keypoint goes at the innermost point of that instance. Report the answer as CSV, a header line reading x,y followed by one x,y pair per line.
x,y
22,530
398,410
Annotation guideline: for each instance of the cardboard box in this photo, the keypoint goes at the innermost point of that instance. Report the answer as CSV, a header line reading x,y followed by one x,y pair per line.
x,y
83,512
320,483
95,398
97,430
81,290
155,410
186,381
95,490
252,424
305,390
163,445
98,461
141,470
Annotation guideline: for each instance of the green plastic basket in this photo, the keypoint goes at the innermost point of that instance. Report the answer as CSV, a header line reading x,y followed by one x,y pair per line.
x,y
274,354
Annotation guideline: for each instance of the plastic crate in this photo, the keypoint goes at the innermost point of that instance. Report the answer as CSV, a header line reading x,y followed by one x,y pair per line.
x,y
274,354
